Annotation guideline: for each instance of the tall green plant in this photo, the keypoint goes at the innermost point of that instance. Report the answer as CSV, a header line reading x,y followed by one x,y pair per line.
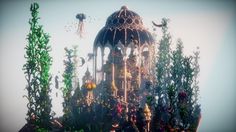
x,y
185,102
196,66
38,63
67,89
196,112
163,61
163,79
177,87
177,66
75,70
177,72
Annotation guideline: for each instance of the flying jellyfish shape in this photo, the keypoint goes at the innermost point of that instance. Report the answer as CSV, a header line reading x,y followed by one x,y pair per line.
x,y
81,17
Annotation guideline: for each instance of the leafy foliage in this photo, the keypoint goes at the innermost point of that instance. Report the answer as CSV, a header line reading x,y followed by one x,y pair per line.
x,y
177,87
163,62
67,89
196,71
163,78
37,67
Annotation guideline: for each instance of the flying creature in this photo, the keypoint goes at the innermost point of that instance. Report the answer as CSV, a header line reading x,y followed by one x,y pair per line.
x,y
160,25
81,17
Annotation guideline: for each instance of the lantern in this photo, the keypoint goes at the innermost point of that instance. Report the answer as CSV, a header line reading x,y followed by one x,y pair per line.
x,y
89,85
147,116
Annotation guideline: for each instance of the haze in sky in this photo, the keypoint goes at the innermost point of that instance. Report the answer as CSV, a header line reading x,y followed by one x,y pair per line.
x,y
207,24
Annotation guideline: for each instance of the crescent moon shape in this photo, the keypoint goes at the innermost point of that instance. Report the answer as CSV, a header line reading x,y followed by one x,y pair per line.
x,y
159,25
82,61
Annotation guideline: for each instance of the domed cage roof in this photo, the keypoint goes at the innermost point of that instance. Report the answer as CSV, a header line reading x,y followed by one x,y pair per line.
x,y
123,26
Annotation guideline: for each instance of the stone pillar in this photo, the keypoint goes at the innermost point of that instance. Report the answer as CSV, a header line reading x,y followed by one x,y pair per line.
x,y
95,65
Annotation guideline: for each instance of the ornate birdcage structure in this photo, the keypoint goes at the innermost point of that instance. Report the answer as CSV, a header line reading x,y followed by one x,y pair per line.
x,y
130,54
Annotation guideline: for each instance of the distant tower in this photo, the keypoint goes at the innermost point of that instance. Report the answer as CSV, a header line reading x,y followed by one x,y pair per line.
x,y
87,77
130,56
